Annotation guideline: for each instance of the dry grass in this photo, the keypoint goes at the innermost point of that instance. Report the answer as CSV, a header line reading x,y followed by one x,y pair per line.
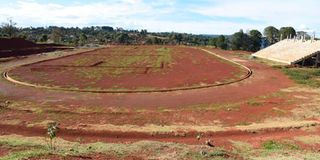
x,y
37,147
160,129
311,139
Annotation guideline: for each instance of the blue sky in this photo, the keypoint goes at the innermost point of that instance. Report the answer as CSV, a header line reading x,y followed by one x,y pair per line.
x,y
190,16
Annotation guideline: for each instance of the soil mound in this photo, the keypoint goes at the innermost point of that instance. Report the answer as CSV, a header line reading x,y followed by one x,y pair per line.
x,y
12,47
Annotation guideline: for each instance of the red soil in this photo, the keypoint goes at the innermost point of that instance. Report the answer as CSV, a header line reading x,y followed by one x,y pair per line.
x,y
4,151
219,138
265,80
189,67
62,106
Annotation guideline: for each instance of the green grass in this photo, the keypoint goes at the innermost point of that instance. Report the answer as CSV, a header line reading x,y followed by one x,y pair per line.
x,y
271,149
165,56
141,58
254,102
274,145
305,76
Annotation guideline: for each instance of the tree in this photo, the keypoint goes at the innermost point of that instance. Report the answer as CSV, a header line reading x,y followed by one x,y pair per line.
x,y
236,42
179,38
287,32
222,42
256,38
213,42
9,29
272,34
56,35
83,39
122,38
43,38
241,41
107,29
143,32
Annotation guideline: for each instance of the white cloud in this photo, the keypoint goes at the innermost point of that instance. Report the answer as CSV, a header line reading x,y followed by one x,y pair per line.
x,y
269,12
154,15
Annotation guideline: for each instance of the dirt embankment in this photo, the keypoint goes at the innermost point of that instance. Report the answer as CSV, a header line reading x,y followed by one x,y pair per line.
x,y
19,47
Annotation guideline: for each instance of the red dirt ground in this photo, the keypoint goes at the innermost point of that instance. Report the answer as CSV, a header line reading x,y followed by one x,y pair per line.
x,y
189,67
219,138
265,80
63,107
4,151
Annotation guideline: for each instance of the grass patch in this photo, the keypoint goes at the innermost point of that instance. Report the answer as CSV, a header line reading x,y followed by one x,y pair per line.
x,y
123,61
254,102
305,76
244,124
142,149
273,145
213,107
165,57
25,154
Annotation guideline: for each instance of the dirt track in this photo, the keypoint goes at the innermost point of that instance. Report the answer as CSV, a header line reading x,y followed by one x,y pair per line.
x,y
265,80
205,71
143,108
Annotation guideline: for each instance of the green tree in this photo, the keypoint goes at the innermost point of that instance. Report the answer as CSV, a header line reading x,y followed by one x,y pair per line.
x,y
222,42
241,41
43,38
143,32
236,42
256,38
272,34
122,38
83,39
287,32
212,42
56,35
9,29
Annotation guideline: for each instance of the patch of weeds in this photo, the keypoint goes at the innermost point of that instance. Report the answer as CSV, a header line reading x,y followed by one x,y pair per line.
x,y
218,153
241,147
81,61
145,89
273,145
4,105
244,124
164,59
278,111
213,107
305,76
215,154
254,102
21,155
52,134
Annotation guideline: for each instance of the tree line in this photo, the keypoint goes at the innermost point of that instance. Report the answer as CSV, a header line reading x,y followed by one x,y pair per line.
x,y
252,40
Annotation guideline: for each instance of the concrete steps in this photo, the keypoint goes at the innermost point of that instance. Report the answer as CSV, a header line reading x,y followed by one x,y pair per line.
x,y
289,51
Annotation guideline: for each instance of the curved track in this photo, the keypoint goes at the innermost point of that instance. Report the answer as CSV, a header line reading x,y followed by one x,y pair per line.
x,y
265,80
6,76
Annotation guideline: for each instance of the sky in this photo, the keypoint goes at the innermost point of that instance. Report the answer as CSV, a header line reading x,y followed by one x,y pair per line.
x,y
185,16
